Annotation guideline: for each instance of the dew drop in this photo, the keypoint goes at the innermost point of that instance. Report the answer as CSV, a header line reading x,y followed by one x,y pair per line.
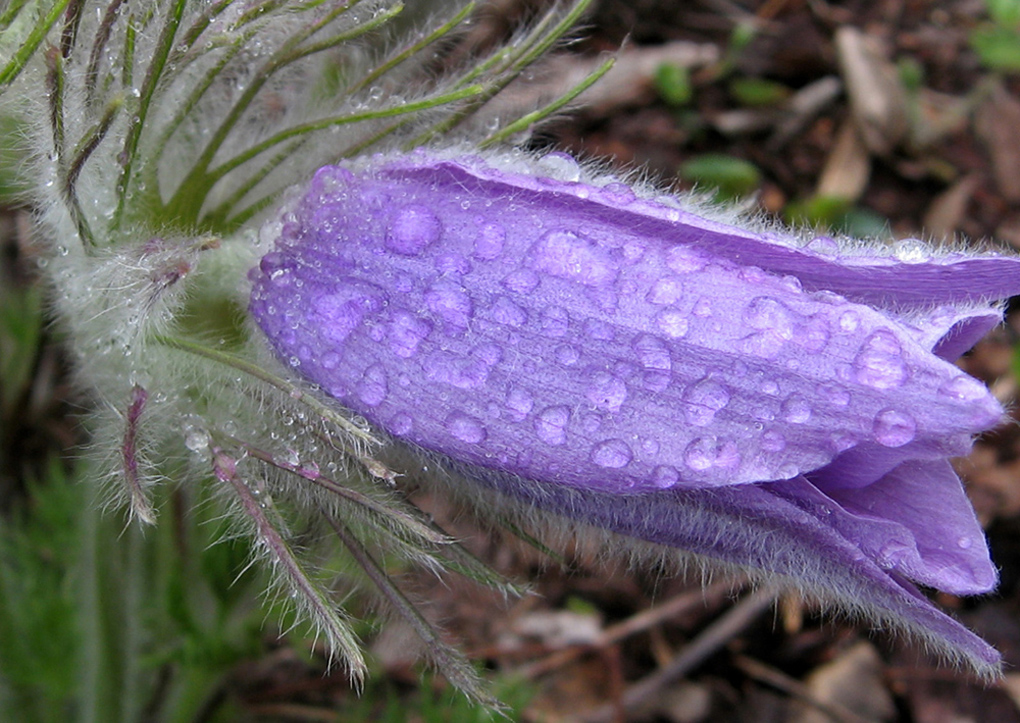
x,y
465,428
685,260
665,291
551,425
893,428
522,281
567,355
765,344
672,323
490,241
401,424
665,476
652,352
770,314
598,330
197,440
413,229
520,402
453,264
963,388
450,303
372,388
488,353
823,246
612,454
879,362
911,251
702,308
606,392
849,321
703,400
504,311
965,543
772,441
559,166
707,452
406,331
555,322
796,409
569,256
617,193
841,441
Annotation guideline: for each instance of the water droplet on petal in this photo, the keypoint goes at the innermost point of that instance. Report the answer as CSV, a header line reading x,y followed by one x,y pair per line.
x,y
772,441
707,452
702,308
703,400
551,425
372,388
504,311
465,428
796,409
685,260
765,344
672,323
770,314
606,392
450,303
665,476
413,229
652,352
555,322
617,193
401,424
567,355
453,264
522,281
965,543
520,402
406,331
893,428
612,454
849,321
963,388
490,241
197,440
879,363
559,166
567,255
911,251
665,291
598,330
823,246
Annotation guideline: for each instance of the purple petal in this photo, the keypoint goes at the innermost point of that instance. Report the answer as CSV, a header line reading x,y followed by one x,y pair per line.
x,y
912,277
785,529
612,334
636,367
917,520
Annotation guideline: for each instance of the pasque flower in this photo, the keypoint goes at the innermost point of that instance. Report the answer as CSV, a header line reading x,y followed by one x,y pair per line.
x,y
783,404
580,350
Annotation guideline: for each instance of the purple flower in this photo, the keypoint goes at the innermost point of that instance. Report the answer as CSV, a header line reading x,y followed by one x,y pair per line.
x,y
780,404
